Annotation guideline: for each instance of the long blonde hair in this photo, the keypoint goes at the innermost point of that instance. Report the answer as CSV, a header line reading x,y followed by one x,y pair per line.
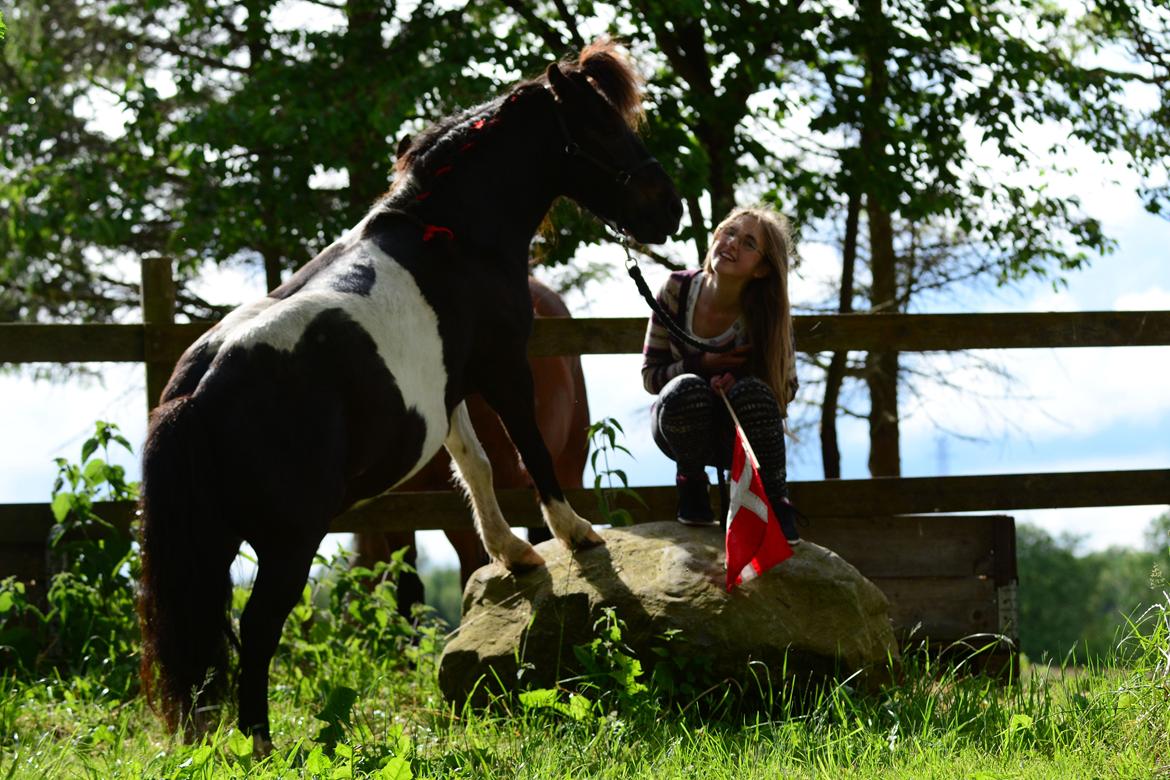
x,y
764,302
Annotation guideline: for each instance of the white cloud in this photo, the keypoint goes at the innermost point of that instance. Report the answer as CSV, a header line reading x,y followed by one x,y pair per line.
x,y
1100,527
1151,299
43,421
1053,392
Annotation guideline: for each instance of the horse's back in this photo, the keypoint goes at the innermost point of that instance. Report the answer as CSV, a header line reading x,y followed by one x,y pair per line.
x,y
344,371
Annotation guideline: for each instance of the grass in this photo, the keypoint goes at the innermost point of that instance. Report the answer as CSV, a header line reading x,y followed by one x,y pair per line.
x,y
1105,720
354,694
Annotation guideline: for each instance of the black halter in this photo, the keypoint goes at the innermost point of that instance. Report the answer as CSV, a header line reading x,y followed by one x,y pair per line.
x,y
621,175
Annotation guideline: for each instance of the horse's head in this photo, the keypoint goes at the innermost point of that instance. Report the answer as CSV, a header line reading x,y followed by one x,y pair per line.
x,y
608,169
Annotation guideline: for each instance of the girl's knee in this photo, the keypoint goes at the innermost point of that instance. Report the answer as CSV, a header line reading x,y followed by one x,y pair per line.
x,y
685,385
751,389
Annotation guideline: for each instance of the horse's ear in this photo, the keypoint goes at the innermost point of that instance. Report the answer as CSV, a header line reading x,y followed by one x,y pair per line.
x,y
561,86
403,145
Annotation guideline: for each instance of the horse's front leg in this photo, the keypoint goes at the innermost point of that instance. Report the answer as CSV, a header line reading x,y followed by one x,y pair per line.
x,y
471,465
515,404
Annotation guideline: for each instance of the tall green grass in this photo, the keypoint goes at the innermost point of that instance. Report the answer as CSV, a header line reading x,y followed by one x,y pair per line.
x,y
351,699
354,694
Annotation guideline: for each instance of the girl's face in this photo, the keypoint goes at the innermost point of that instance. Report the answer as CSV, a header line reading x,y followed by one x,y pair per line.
x,y
738,250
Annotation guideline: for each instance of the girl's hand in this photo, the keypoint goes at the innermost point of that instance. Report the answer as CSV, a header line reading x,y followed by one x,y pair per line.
x,y
715,363
722,382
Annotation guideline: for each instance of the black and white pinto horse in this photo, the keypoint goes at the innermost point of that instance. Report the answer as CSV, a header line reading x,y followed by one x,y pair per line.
x,y
348,378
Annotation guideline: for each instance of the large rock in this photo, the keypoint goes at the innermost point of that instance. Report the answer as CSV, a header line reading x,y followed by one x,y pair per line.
x,y
814,614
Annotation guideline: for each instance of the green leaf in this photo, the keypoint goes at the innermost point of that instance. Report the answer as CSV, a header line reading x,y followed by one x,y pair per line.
x,y
397,768
539,698
96,472
62,504
580,707
88,449
336,713
1019,722
317,763
240,744
199,756
620,518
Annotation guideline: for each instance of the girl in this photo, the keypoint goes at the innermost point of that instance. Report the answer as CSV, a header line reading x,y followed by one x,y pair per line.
x,y
739,297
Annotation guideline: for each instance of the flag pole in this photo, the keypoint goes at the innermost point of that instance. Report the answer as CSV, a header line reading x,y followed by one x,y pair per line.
x,y
747,445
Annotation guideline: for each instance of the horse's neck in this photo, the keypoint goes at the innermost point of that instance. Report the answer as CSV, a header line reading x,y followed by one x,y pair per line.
x,y
495,202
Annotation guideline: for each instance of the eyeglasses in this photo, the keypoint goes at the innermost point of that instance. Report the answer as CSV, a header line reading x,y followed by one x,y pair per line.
x,y
746,239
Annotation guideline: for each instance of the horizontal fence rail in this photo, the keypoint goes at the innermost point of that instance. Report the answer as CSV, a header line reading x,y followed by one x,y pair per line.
x,y
160,341
31,343
881,496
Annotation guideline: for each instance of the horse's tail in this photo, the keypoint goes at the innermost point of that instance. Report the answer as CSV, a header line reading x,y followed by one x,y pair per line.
x,y
186,569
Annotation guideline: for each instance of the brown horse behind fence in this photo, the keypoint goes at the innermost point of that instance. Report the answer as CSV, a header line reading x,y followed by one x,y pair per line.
x,y
562,414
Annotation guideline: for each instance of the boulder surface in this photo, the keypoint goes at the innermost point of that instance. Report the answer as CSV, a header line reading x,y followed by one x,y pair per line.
x,y
814,614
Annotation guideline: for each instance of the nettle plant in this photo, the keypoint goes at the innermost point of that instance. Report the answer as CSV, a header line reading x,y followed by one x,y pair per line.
x,y
603,442
86,622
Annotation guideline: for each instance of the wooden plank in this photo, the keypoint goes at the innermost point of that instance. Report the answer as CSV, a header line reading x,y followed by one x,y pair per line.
x,y
158,308
166,343
962,546
991,493
943,332
901,332
941,609
587,335
26,343
830,498
826,498
24,561
31,523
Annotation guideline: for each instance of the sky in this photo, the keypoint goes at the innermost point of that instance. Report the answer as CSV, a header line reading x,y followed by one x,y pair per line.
x,y
1065,410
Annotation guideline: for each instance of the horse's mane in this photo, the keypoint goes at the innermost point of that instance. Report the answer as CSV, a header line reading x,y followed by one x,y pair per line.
x,y
609,70
602,62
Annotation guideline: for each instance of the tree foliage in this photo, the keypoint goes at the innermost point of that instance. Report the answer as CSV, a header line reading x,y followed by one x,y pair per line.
x,y
1076,606
257,132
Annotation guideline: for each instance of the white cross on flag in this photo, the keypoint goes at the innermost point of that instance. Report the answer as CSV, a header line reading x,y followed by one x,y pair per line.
x,y
755,542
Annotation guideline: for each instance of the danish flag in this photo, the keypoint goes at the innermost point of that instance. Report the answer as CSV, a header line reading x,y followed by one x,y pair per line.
x,y
754,542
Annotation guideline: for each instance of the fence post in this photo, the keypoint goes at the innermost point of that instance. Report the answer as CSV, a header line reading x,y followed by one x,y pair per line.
x,y
158,308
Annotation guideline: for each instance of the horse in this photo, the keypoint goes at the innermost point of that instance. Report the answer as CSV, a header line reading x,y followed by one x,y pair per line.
x,y
346,380
562,415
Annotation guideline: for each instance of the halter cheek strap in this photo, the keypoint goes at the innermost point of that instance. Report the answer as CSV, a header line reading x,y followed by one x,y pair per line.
x,y
622,176
573,149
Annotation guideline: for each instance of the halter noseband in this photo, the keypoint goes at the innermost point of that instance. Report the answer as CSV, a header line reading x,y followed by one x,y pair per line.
x,y
621,175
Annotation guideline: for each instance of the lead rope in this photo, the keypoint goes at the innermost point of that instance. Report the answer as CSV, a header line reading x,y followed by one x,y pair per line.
x,y
671,324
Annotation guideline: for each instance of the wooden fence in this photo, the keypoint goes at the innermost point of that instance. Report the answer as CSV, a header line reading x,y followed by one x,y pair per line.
x,y
866,508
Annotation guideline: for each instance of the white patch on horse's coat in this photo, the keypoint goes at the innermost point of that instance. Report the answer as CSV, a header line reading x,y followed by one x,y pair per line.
x,y
470,464
565,524
396,315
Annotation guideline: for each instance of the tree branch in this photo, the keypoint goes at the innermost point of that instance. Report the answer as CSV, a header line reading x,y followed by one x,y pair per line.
x,y
552,39
570,21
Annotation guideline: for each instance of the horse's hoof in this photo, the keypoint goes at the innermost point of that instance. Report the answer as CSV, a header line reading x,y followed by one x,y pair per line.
x,y
525,563
590,539
261,747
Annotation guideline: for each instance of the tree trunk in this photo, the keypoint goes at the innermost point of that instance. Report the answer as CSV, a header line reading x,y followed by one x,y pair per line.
x,y
830,450
881,367
266,190
368,154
